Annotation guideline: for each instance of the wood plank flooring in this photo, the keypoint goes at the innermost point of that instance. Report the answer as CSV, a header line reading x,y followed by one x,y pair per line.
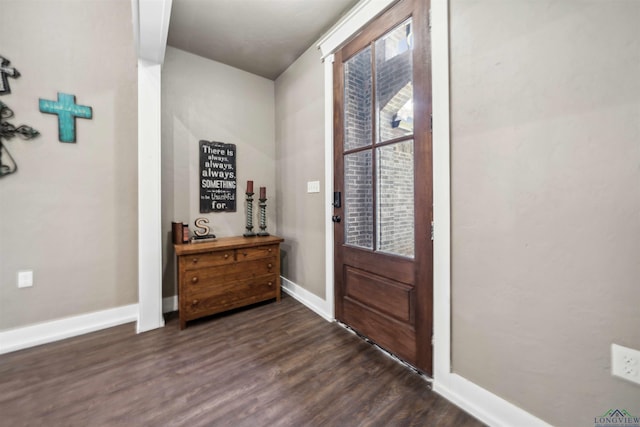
x,y
276,364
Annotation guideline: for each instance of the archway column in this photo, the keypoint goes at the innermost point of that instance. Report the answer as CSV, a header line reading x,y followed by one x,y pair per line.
x,y
150,28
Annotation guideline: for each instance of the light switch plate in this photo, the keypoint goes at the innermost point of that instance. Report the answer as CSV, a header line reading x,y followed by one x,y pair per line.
x,y
25,279
313,187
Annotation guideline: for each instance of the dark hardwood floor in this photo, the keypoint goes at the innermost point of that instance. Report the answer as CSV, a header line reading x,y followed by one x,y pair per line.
x,y
270,365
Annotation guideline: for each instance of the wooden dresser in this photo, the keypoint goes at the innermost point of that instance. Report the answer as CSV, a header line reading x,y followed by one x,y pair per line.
x,y
227,273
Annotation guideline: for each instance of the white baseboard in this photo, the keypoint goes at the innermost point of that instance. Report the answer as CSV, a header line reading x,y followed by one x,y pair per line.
x,y
313,302
55,330
170,304
484,405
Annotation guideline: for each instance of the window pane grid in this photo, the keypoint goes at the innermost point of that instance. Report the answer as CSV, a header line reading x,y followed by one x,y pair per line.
x,y
378,145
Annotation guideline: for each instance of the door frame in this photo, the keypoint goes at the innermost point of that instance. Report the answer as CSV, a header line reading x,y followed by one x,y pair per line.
x,y
363,13
410,339
479,402
349,25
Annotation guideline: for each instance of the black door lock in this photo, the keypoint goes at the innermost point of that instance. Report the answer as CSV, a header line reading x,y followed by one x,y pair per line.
x,y
337,199
336,218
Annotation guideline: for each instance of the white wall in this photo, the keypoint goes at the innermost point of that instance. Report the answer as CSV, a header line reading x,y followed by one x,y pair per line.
x,y
70,212
207,100
545,170
300,159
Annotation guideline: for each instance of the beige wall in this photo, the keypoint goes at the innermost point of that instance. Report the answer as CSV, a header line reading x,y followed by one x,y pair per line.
x,y
70,212
207,100
545,113
300,158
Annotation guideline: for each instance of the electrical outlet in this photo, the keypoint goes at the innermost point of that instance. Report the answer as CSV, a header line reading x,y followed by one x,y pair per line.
x,y
625,363
25,279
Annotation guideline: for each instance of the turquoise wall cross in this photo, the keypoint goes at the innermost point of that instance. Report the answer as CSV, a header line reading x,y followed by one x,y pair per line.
x,y
67,111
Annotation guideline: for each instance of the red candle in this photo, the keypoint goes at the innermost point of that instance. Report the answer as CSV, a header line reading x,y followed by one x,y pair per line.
x,y
263,192
249,186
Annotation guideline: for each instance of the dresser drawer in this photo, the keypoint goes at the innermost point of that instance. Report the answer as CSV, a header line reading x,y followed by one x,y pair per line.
x,y
193,280
246,254
207,259
225,274
228,296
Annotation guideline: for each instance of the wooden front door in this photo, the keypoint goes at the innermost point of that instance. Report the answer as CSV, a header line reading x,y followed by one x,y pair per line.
x,y
383,174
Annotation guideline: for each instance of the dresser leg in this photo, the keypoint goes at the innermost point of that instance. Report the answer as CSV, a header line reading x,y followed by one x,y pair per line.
x,y
183,323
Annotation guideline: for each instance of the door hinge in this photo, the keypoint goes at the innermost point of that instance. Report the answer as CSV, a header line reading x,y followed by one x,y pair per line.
x,y
431,230
431,122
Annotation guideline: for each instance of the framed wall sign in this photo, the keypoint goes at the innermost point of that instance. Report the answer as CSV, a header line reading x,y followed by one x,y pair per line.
x,y
217,177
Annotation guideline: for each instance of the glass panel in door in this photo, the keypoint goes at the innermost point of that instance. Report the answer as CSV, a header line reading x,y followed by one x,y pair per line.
x,y
394,198
394,86
392,178
358,86
358,199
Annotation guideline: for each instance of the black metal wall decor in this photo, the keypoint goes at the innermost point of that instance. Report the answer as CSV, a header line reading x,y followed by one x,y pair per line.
x,y
6,71
8,131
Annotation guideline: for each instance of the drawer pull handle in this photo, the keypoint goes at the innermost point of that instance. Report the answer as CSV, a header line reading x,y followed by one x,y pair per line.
x,y
195,260
194,280
244,253
226,256
270,249
270,284
195,302
269,265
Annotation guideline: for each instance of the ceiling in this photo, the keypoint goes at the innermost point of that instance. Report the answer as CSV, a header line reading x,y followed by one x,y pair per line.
x,y
262,37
